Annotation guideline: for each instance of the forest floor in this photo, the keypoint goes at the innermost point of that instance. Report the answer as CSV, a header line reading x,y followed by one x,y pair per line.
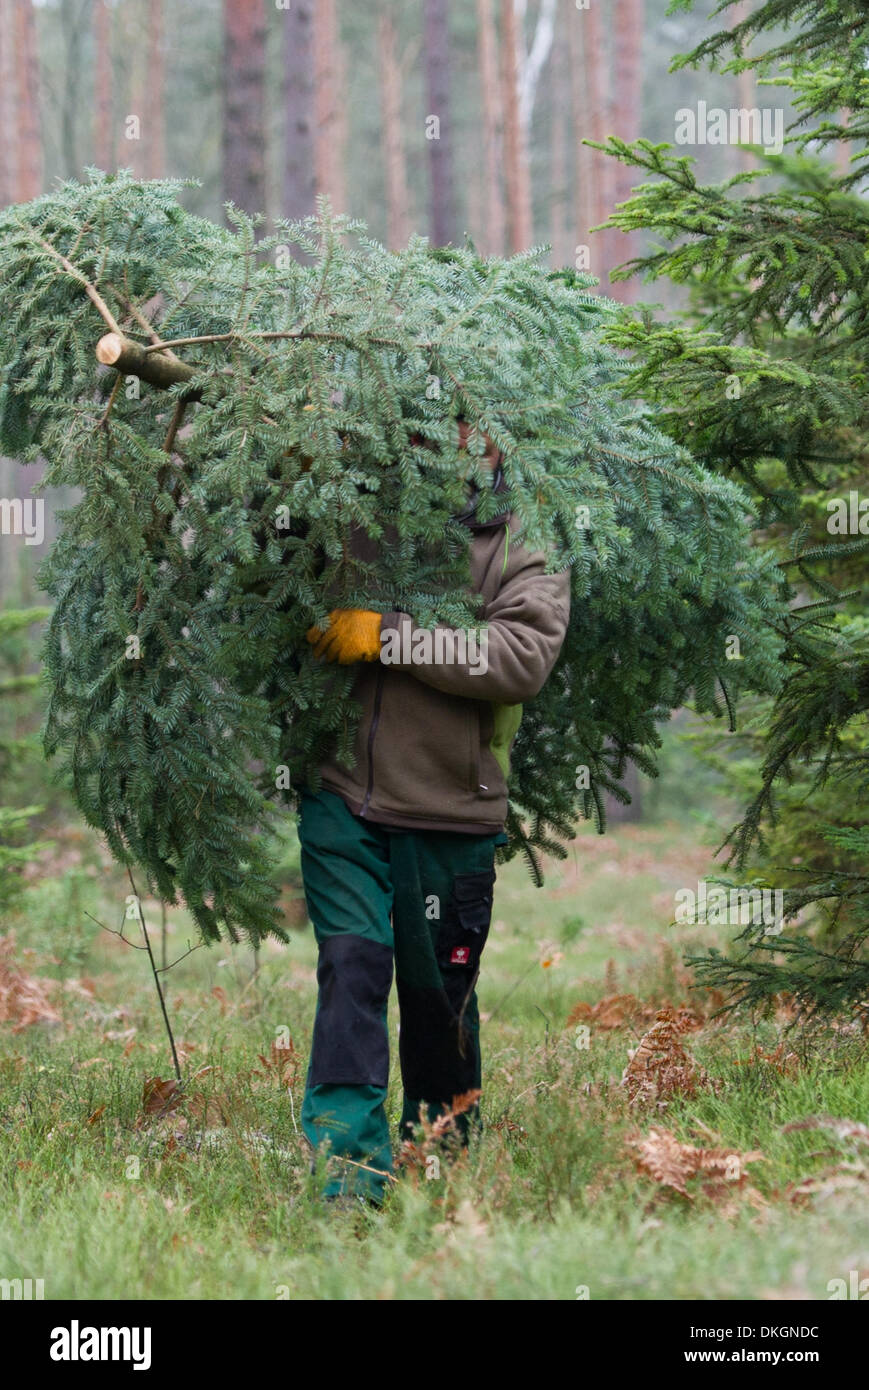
x,y
578,1187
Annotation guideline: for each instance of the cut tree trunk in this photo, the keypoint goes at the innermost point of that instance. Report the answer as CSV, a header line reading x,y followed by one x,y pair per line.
x,y
161,369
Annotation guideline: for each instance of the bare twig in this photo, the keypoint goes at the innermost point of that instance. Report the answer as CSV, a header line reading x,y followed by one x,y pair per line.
x,y
156,975
92,293
183,956
113,932
174,426
103,422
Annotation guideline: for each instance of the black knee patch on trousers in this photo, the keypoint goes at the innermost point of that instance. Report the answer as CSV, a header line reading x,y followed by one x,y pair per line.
x,y
438,1057
350,1045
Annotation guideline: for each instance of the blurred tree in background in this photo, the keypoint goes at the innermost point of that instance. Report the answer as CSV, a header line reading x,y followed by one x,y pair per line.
x,y
763,378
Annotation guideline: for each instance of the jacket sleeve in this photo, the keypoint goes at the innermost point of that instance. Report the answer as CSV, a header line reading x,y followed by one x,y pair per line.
x,y
526,624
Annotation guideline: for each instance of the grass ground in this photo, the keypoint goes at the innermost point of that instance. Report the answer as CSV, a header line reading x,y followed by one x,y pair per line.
x,y
215,1200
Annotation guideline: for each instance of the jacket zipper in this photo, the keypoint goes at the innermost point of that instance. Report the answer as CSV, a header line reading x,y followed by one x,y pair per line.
x,y
375,720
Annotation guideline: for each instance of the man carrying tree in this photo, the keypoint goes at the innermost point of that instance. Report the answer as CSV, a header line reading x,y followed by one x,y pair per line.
x,y
192,568
398,851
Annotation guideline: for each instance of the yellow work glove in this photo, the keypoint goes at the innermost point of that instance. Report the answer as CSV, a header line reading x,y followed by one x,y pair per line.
x,y
353,634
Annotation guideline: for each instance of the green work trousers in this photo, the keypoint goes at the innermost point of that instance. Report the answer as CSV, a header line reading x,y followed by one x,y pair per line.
x,y
377,896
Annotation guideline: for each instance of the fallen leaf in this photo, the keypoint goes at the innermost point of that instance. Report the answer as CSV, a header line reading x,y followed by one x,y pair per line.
x,y
158,1097
843,1129
23,998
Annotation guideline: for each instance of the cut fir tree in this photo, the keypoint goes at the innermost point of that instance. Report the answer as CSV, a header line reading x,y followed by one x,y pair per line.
x,y
229,414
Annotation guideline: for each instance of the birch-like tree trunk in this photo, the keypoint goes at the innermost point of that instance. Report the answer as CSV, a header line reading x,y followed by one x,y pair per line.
x,y
534,60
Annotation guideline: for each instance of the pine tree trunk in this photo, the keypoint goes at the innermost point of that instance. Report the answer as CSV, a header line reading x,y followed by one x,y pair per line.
x,y
616,811
559,191
244,34
625,120
103,131
299,175
155,138
594,174
440,151
29,129
493,240
8,114
583,205
515,150
74,24
746,95
329,105
131,140
390,99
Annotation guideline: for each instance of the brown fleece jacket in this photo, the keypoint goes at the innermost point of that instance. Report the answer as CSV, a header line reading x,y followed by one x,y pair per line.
x,y
432,742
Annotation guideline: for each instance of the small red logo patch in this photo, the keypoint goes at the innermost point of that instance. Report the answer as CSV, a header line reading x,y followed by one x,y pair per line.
x,y
460,955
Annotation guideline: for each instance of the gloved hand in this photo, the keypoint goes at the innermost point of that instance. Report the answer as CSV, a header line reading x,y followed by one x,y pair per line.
x,y
353,634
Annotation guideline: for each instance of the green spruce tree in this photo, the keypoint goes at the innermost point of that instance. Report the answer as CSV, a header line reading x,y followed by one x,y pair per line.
x,y
763,378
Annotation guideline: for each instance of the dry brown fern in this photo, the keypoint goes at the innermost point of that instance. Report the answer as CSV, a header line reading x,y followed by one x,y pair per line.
x,y
721,1172
660,1067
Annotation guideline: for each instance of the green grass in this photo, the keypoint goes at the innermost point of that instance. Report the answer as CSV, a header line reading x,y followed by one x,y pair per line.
x,y
112,1203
